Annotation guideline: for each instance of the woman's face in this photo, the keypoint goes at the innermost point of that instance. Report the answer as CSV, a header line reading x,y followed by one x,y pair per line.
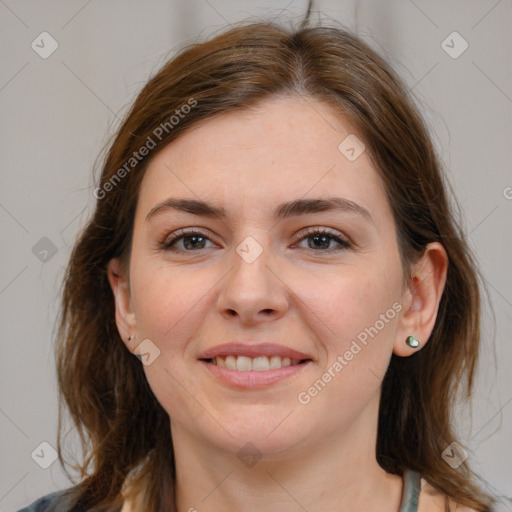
x,y
259,280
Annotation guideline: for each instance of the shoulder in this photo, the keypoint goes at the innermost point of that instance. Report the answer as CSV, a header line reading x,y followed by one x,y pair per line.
x,y
49,503
431,500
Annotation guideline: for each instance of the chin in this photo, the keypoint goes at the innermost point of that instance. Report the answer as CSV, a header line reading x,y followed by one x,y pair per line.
x,y
268,437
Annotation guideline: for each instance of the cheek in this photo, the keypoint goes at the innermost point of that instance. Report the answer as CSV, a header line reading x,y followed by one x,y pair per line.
x,y
354,317
165,302
169,304
346,303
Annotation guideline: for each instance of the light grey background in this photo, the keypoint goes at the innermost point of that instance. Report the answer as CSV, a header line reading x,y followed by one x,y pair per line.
x,y
57,113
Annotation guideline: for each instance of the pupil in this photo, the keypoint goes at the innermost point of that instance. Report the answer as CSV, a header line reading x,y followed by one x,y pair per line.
x,y
192,241
324,240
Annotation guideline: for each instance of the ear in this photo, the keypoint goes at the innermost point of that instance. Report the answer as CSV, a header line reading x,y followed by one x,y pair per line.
x,y
125,317
421,299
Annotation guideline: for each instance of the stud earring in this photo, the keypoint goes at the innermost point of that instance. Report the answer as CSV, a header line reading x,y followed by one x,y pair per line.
x,y
412,342
130,338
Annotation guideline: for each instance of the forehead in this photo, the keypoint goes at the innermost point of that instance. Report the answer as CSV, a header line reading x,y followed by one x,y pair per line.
x,y
283,148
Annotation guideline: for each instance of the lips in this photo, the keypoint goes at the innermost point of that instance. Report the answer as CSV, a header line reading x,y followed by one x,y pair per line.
x,y
253,351
245,366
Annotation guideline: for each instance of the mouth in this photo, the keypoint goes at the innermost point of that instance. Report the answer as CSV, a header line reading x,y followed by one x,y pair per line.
x,y
253,373
253,366
262,363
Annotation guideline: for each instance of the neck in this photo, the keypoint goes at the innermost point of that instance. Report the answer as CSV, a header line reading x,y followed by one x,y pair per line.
x,y
338,474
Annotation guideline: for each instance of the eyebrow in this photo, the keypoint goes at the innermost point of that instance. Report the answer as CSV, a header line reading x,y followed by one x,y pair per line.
x,y
283,211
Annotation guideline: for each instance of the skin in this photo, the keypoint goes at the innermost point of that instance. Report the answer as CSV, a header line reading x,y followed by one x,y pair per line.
x,y
313,298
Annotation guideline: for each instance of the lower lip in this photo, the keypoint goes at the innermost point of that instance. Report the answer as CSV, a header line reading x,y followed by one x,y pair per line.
x,y
253,379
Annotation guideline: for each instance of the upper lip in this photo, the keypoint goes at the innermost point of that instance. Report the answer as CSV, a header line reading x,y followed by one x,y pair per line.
x,y
260,349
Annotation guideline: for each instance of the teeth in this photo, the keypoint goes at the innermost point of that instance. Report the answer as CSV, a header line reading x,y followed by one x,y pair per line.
x,y
258,364
243,364
275,362
230,362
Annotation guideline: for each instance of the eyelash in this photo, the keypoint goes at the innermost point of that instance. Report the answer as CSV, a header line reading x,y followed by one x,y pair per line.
x,y
169,241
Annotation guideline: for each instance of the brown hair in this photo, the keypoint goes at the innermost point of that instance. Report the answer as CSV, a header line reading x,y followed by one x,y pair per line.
x,y
122,426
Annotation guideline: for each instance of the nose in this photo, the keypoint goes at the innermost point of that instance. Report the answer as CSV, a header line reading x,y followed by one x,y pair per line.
x,y
253,291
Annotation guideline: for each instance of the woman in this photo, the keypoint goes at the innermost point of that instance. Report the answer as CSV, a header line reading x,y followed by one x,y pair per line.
x,y
273,241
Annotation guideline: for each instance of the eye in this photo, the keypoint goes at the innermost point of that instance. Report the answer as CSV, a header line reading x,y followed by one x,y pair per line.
x,y
320,240
190,240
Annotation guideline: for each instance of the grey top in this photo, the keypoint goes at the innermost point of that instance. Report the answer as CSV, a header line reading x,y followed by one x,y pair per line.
x,y
56,502
411,492
409,497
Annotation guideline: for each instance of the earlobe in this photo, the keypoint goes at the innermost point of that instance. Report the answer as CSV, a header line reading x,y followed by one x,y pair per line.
x,y
125,317
421,300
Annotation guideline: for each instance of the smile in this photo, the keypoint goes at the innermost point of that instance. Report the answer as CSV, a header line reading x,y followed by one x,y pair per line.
x,y
257,364
253,372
